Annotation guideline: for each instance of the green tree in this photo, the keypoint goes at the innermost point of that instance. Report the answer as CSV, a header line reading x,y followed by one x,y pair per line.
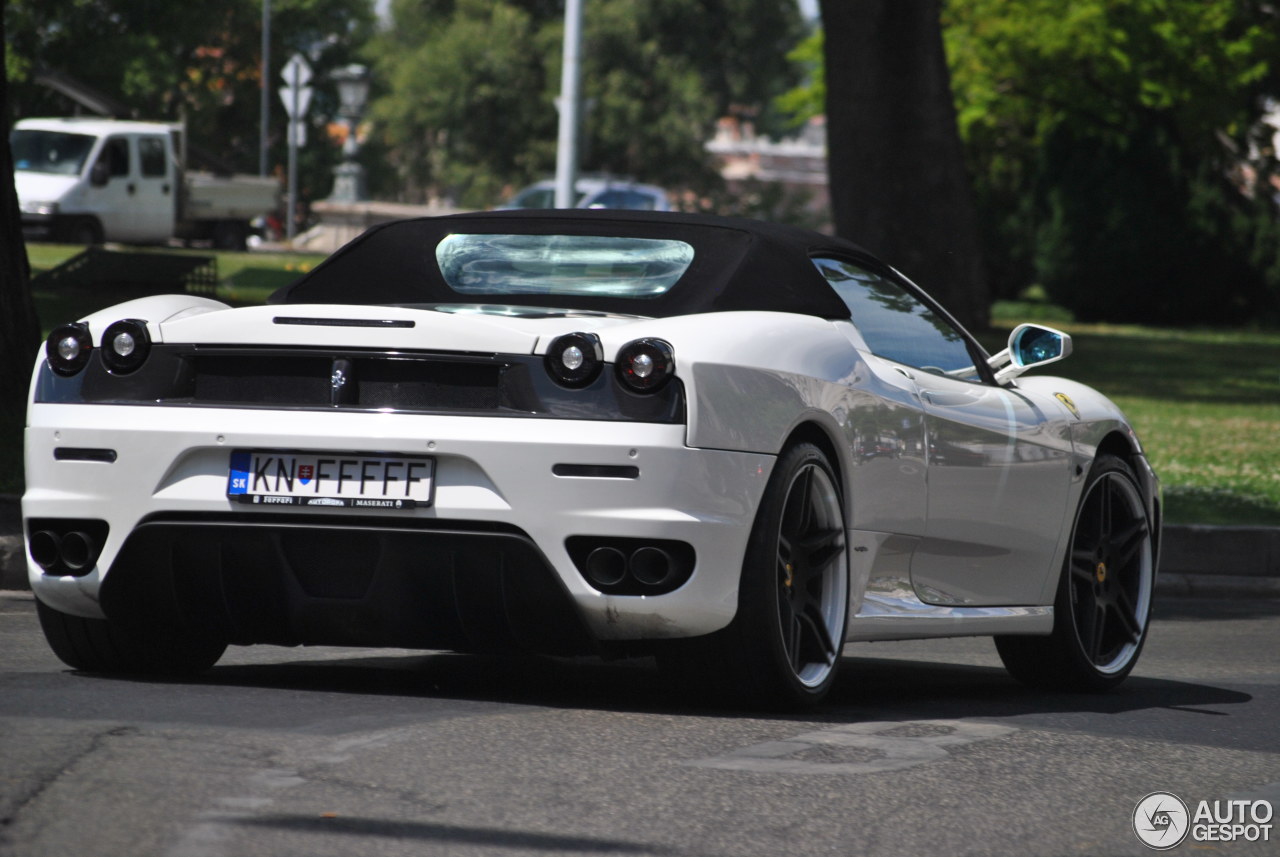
x,y
464,108
1116,150
469,103
649,105
1111,142
801,103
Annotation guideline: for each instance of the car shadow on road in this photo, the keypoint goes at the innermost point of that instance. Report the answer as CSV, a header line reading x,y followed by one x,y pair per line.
x,y
868,688
492,838
1142,708
899,688
941,690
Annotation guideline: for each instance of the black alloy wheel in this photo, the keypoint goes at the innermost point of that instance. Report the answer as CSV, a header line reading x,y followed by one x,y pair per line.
x,y
1103,606
782,650
810,574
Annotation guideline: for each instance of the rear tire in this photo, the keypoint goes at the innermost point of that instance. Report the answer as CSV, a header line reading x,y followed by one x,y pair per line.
x,y
782,649
1103,605
101,645
230,235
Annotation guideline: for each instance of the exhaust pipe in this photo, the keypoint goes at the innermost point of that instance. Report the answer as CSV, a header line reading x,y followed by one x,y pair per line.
x,y
652,566
45,547
78,550
606,566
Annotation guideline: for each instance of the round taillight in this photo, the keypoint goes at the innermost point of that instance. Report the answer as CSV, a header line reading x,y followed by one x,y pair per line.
x,y
125,345
574,360
645,365
68,348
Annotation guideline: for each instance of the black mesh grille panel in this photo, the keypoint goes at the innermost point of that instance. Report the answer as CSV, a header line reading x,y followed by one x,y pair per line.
x,y
427,385
254,381
367,382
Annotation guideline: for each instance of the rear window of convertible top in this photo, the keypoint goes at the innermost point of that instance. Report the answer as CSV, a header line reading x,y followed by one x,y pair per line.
x,y
582,265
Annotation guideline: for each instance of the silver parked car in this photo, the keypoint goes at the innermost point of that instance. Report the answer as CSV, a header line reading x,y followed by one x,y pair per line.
x,y
596,192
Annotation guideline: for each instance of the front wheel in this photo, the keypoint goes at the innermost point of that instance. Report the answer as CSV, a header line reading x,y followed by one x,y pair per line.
x,y
83,230
101,645
783,647
1103,605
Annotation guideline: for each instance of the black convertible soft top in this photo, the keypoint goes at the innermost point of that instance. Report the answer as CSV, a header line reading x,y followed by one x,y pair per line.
x,y
738,264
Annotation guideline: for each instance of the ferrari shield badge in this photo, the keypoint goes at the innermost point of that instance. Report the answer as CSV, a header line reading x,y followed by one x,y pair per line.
x,y
1070,405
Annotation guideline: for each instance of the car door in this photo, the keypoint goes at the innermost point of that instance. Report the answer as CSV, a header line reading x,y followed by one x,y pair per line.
x,y
998,484
997,478
112,192
155,197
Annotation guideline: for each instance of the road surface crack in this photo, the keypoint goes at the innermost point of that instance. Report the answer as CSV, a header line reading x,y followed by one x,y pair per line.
x,y
41,784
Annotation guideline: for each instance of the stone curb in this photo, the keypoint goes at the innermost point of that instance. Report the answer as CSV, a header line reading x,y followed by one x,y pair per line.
x,y
1235,551
1197,561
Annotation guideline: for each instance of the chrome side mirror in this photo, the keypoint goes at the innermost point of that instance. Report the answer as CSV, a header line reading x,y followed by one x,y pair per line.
x,y
1030,345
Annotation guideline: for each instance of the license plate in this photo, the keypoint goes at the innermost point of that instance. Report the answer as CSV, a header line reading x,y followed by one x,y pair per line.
x,y
271,478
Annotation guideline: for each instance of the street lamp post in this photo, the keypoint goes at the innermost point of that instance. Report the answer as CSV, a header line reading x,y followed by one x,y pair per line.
x,y
569,102
353,93
265,117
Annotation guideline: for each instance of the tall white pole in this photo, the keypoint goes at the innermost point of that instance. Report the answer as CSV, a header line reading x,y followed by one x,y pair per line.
x,y
570,100
291,222
266,90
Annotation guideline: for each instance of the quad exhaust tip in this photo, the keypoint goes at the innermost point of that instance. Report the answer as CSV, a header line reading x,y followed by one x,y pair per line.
x,y
651,566
632,566
66,547
46,548
606,566
79,550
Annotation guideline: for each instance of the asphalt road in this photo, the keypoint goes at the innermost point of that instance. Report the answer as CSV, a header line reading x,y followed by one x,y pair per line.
x,y
924,749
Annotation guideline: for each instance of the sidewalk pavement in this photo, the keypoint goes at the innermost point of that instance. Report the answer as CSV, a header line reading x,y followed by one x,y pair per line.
x,y
1197,561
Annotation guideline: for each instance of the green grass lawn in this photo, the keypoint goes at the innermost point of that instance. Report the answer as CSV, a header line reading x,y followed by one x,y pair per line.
x,y
243,278
1205,403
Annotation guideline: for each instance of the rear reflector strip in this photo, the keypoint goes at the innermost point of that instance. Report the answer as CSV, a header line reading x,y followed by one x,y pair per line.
x,y
72,453
597,471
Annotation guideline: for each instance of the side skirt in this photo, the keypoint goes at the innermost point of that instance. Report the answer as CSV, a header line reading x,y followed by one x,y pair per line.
x,y
895,613
884,605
